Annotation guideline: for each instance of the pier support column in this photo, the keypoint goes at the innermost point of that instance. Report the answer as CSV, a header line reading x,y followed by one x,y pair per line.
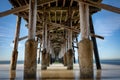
x,y
70,48
96,52
86,58
45,43
48,59
70,59
85,45
13,62
44,58
65,59
30,60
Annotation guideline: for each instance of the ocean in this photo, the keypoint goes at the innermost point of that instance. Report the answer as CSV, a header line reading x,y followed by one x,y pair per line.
x,y
8,62
113,62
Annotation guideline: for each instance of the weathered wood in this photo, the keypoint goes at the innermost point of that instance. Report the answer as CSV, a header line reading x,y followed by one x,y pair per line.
x,y
70,50
45,46
70,25
85,45
44,59
43,2
55,16
56,2
14,10
23,8
102,6
30,60
44,32
65,27
61,16
15,49
17,33
64,3
32,20
84,20
22,38
97,36
70,59
98,65
65,59
71,2
86,59
49,17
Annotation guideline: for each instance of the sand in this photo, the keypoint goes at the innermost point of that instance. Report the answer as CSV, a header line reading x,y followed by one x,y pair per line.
x,y
59,72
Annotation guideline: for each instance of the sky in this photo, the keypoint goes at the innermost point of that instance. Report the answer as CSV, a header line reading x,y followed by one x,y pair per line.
x,y
106,24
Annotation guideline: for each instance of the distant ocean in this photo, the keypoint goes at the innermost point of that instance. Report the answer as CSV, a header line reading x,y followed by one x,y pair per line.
x,y
113,62
8,62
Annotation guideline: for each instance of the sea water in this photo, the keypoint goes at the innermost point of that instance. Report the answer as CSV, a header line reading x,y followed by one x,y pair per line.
x,y
113,62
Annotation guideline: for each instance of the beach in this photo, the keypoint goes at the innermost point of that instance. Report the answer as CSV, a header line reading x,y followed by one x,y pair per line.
x,y
59,72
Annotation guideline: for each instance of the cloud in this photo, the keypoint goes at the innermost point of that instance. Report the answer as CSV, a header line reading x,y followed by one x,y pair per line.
x,y
1,35
107,24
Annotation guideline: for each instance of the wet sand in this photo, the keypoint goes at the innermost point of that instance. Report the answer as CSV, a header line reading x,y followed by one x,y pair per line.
x,y
59,72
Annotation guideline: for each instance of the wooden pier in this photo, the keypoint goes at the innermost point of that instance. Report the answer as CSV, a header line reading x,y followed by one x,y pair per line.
x,y
54,26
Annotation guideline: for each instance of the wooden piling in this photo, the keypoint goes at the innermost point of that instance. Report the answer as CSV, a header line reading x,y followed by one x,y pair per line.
x,y
44,52
70,51
96,54
65,59
30,45
85,45
13,62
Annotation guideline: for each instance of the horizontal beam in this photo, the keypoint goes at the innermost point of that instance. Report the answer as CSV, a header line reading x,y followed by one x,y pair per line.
x,y
101,5
43,2
14,10
25,37
22,38
97,36
65,27
22,8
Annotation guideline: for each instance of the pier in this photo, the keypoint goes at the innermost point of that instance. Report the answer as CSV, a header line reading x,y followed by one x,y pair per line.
x,y
53,29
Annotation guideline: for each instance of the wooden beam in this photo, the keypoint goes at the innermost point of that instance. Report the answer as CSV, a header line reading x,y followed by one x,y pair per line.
x,y
64,3
15,50
44,31
71,2
49,17
105,6
31,45
96,53
56,2
84,20
66,16
32,20
65,27
14,10
102,6
20,5
25,37
61,16
97,36
55,16
23,8
43,2
22,38
17,33
70,15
